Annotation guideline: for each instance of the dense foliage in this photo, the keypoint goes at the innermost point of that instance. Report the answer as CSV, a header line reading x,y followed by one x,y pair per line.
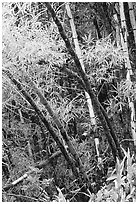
x,y
33,47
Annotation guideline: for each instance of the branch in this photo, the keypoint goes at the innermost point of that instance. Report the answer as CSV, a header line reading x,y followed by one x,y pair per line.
x,y
72,74
40,165
25,197
14,183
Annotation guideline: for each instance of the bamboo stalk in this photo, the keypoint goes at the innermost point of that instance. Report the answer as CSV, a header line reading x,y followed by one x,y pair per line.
x,y
79,54
29,149
117,26
21,117
128,67
132,18
124,35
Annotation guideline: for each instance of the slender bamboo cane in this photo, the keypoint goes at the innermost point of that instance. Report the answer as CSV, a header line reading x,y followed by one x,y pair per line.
x,y
124,35
117,26
78,52
132,18
128,67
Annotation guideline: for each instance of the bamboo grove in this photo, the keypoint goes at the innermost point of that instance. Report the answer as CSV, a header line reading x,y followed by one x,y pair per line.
x,y
60,46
